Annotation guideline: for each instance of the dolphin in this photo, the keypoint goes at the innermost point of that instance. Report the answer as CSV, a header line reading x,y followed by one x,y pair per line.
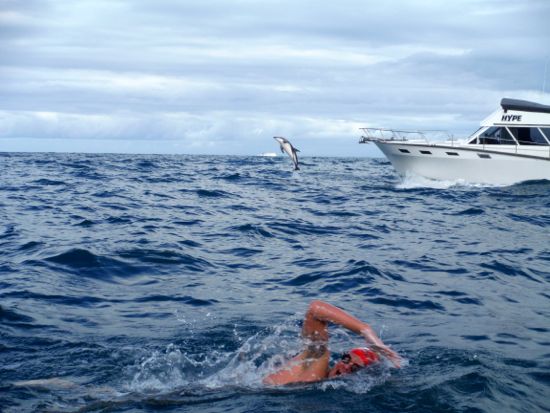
x,y
290,150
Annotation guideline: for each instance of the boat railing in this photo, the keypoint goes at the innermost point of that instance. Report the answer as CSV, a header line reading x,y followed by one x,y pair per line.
x,y
384,134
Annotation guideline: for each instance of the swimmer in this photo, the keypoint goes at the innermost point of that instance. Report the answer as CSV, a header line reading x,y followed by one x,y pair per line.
x,y
313,364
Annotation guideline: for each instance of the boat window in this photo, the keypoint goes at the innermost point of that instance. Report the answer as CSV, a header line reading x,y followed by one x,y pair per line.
x,y
496,136
452,153
546,132
425,152
528,136
484,155
403,150
473,136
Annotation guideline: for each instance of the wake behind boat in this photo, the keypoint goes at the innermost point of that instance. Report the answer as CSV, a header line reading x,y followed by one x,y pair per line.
x,y
512,145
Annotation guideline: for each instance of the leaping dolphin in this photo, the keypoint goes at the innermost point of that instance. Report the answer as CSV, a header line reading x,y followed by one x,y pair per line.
x,y
290,150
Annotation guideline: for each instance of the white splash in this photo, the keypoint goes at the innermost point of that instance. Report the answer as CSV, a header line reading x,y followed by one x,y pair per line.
x,y
174,369
412,181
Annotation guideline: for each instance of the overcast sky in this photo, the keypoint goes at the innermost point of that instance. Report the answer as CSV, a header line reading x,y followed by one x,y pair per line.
x,y
224,77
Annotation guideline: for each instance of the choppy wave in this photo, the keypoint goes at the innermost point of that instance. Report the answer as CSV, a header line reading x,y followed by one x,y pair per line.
x,y
146,283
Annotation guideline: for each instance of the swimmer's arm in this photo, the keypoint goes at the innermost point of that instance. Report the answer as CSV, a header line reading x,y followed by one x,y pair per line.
x,y
327,313
306,367
313,362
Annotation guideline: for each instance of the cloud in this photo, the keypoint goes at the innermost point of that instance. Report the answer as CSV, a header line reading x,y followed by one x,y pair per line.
x,y
211,75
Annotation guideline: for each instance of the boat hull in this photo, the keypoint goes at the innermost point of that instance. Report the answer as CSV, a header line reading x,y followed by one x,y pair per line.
x,y
472,165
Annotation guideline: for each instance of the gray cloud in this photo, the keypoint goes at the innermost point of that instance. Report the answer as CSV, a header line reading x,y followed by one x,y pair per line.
x,y
222,77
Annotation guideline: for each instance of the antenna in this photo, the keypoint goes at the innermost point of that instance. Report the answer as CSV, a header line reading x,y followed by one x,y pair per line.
x,y
544,78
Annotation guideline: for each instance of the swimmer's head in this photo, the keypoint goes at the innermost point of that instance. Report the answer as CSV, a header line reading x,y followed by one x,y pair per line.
x,y
354,360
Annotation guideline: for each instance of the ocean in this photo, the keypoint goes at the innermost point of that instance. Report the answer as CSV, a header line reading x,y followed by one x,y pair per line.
x,y
144,283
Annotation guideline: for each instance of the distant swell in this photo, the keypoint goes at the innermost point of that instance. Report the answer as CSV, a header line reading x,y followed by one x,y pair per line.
x,y
77,258
204,193
84,263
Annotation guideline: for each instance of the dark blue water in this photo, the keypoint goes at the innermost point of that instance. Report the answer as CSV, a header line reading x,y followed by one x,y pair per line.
x,y
147,283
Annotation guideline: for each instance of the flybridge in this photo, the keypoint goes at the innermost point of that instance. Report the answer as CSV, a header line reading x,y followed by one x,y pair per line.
x,y
519,112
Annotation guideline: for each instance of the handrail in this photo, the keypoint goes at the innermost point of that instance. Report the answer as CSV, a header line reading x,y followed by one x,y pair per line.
x,y
386,134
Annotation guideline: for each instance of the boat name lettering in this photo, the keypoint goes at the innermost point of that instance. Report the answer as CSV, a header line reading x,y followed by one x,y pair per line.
x,y
511,118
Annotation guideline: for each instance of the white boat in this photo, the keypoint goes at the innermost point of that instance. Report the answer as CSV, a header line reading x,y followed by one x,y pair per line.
x,y
268,154
512,145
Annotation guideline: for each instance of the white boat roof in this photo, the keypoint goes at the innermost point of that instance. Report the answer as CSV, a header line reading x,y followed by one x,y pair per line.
x,y
520,113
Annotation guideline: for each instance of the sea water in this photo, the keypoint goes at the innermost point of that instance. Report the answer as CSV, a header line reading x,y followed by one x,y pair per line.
x,y
139,283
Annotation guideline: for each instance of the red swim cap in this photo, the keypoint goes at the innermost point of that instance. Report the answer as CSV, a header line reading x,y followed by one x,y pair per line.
x,y
367,356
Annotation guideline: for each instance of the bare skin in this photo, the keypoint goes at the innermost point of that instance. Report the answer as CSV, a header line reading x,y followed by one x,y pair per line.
x,y
313,364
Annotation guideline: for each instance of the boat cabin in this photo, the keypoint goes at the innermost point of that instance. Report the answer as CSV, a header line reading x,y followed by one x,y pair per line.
x,y
519,122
